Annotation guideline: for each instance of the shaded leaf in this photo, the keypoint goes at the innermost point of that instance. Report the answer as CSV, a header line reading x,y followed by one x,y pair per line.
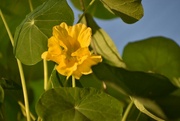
x,y
170,105
103,44
32,34
156,54
37,88
91,81
1,95
78,104
135,83
130,11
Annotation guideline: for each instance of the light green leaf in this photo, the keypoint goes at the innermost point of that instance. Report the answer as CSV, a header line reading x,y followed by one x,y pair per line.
x,y
103,44
150,108
130,11
78,104
97,9
32,34
156,54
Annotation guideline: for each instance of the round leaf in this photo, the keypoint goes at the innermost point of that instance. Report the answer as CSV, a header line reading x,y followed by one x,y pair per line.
x,y
130,11
134,83
78,104
32,34
156,54
97,9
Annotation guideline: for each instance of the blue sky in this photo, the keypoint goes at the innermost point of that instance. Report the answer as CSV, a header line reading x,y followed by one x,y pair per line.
x,y
161,18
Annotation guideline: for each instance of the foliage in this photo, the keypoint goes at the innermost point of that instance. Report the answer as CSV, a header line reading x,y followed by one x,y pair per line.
x,y
141,85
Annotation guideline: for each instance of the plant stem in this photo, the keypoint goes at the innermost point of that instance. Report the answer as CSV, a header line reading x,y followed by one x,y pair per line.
x,y
24,109
20,70
30,5
73,82
7,28
23,82
127,111
45,74
84,9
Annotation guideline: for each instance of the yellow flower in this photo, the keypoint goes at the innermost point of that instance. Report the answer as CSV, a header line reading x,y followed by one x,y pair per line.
x,y
68,47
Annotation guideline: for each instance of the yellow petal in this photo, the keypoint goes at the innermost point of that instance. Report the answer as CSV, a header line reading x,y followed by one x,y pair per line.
x,y
85,67
44,55
77,74
67,67
54,47
81,33
62,36
81,54
68,47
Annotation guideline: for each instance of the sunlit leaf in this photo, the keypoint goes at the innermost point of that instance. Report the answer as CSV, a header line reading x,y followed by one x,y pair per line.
x,y
103,44
129,10
135,82
32,35
156,54
149,108
78,104
97,9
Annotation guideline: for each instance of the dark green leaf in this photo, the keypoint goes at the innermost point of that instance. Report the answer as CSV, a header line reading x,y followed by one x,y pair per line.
x,y
129,10
37,88
91,81
32,35
97,9
78,104
1,95
171,106
156,54
135,82
103,44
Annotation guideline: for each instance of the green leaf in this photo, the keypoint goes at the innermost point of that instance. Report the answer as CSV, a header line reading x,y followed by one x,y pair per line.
x,y
1,95
171,106
150,108
97,9
134,83
156,54
130,11
103,44
32,34
91,81
78,104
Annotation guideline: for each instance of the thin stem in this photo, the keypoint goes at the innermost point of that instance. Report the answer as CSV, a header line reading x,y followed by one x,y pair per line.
x,y
23,82
73,82
127,111
7,28
20,70
45,74
84,9
139,114
82,4
24,109
30,5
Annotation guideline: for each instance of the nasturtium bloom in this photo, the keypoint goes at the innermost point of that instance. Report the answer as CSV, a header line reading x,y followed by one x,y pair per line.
x,y
68,47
